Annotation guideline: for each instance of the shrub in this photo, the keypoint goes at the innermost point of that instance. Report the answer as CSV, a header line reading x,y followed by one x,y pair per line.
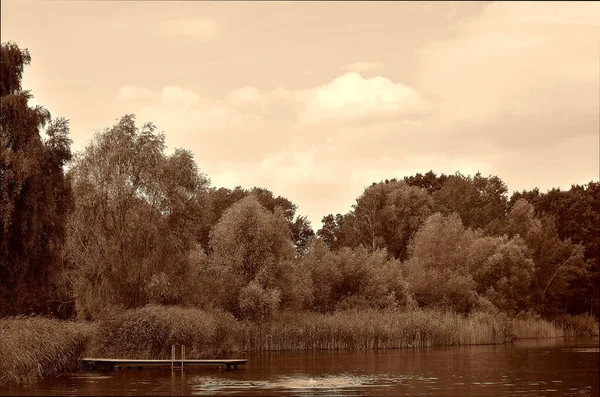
x,y
257,303
149,332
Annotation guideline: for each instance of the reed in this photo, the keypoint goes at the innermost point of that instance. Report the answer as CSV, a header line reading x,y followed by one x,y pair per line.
x,y
149,332
376,329
580,325
534,327
35,347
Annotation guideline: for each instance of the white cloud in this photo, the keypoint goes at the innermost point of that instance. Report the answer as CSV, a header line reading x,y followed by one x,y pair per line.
x,y
363,67
351,97
198,28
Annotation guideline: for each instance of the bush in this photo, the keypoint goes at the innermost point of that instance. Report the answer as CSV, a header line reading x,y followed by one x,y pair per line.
x,y
33,347
149,332
257,303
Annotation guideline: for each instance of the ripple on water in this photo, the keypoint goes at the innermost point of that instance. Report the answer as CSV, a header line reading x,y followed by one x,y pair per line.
x,y
583,350
210,385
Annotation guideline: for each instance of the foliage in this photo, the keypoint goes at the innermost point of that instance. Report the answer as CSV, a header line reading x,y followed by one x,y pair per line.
x,y
451,266
478,200
249,245
137,210
428,181
386,215
224,198
353,279
558,263
576,217
35,196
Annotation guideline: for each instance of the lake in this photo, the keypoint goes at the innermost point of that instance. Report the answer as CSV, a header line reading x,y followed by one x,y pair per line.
x,y
547,367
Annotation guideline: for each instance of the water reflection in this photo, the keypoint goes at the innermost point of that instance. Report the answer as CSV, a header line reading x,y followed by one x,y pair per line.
x,y
536,367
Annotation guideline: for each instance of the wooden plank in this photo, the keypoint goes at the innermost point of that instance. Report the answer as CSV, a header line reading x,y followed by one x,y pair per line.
x,y
140,364
145,361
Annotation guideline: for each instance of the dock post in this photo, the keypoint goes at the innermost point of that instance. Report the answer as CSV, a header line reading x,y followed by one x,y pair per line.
x,y
172,356
182,357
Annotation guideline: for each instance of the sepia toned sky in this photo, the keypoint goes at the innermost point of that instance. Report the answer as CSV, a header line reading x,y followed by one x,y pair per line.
x,y
317,100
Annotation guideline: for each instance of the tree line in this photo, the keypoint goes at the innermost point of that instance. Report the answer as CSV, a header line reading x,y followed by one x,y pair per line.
x,y
123,224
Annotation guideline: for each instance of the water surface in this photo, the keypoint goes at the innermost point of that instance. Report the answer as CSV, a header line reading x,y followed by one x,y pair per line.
x,y
549,367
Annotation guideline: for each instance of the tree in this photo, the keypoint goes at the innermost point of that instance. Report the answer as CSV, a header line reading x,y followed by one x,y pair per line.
x,y
302,232
338,231
454,267
478,201
576,215
386,215
559,264
353,278
249,246
428,181
35,194
138,215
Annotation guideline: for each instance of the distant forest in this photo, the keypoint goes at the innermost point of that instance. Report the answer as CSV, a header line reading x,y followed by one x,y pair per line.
x,y
122,224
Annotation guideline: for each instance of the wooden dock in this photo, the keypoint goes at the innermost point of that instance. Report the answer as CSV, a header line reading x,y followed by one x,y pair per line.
x,y
125,363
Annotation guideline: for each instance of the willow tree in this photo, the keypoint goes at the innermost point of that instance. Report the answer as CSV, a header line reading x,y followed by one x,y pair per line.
x,y
35,196
137,219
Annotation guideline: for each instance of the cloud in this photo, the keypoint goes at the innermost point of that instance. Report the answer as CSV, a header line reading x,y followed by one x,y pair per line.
x,y
351,97
363,67
515,84
517,74
288,139
197,28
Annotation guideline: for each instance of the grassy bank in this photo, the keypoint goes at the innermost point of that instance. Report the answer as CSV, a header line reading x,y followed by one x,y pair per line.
x,y
34,347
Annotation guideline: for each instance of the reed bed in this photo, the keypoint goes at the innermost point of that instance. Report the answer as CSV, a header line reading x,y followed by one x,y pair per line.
x,y
149,332
35,347
535,328
580,325
372,329
567,326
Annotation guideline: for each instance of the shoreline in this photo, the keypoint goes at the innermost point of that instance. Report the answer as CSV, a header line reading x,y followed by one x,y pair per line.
x,y
34,347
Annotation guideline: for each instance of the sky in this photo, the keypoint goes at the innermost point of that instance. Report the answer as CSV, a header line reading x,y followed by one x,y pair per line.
x,y
316,100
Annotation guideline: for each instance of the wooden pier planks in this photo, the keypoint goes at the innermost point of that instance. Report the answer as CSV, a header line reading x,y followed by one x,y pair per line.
x,y
125,363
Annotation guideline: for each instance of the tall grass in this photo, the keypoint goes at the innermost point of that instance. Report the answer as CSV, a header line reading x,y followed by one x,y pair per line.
x,y
580,325
33,347
372,329
149,332
534,327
